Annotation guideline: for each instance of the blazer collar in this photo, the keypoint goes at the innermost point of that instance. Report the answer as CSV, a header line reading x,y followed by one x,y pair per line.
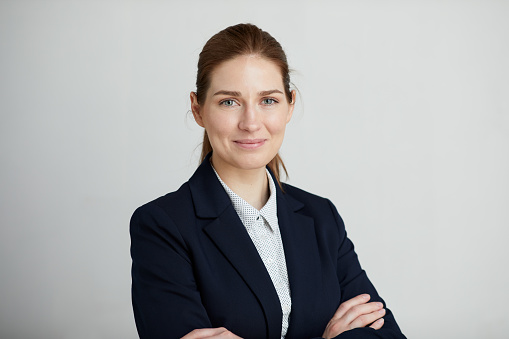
x,y
209,197
302,261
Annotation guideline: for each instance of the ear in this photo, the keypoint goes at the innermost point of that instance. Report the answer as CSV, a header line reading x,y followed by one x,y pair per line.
x,y
291,106
195,108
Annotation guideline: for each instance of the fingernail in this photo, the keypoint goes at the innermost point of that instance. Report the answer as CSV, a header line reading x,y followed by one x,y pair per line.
x,y
382,311
381,320
365,296
379,305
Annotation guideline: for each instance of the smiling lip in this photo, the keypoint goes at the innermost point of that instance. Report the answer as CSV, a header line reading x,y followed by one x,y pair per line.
x,y
250,143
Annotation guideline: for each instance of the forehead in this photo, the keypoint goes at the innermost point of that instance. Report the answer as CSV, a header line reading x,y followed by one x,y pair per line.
x,y
245,73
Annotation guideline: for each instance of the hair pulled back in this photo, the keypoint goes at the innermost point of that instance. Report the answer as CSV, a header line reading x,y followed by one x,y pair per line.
x,y
234,41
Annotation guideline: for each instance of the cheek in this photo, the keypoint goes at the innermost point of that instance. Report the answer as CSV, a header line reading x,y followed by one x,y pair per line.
x,y
276,124
219,126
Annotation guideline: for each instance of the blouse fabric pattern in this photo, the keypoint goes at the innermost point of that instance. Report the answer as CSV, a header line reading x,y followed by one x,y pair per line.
x,y
263,228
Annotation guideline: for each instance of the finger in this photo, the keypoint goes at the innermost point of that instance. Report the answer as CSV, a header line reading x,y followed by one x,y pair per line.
x,y
224,335
204,333
347,305
366,319
362,311
378,324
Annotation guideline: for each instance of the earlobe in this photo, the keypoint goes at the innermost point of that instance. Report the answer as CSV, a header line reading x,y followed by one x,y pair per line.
x,y
195,108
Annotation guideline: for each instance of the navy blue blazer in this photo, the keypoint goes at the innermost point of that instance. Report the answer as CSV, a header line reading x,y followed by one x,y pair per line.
x,y
195,266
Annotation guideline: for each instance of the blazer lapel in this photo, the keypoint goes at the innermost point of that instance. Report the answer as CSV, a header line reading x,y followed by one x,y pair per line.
x,y
231,238
302,260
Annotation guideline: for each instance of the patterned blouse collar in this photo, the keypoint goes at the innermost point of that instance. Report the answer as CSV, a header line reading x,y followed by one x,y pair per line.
x,y
247,213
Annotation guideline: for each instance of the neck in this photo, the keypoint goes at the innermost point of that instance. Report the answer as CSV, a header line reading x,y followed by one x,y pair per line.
x,y
251,185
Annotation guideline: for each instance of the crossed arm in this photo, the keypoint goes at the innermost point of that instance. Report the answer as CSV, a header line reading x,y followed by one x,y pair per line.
x,y
353,313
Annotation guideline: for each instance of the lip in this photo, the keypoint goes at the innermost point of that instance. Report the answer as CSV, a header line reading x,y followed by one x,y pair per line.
x,y
250,143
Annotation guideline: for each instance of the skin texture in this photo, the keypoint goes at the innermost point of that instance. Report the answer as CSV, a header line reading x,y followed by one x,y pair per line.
x,y
245,113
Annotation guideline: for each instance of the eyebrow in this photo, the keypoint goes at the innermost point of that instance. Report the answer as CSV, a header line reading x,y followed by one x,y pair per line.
x,y
272,91
230,93
238,94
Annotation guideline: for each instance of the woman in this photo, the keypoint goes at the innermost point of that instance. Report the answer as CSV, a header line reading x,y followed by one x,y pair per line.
x,y
234,252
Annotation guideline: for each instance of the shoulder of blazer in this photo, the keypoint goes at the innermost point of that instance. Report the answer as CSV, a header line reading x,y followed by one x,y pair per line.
x,y
302,195
169,212
202,197
311,204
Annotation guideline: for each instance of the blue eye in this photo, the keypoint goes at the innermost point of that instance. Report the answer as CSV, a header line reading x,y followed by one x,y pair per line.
x,y
269,101
228,102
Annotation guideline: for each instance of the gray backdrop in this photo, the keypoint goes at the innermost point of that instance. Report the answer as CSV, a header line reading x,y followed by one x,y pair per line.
x,y
402,121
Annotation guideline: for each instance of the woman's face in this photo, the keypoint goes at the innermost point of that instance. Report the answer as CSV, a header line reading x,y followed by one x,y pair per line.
x,y
245,113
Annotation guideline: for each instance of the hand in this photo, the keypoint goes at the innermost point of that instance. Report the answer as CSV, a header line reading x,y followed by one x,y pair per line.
x,y
354,313
210,333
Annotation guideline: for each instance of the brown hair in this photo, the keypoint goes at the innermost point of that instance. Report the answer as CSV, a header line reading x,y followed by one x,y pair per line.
x,y
233,41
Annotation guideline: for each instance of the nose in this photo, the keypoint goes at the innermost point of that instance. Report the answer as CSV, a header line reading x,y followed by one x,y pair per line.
x,y
250,119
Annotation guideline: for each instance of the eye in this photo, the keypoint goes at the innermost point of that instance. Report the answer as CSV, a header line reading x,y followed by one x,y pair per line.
x,y
228,102
269,101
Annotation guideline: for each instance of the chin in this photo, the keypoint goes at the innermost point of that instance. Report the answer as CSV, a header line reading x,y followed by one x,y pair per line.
x,y
254,162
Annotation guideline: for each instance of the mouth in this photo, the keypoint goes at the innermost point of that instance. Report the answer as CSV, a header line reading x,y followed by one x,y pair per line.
x,y
250,143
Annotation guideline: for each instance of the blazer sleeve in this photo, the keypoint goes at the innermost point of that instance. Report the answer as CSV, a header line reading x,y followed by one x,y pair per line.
x,y
354,281
166,300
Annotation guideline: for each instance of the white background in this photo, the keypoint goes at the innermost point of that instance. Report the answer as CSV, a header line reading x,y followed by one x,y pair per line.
x,y
403,122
